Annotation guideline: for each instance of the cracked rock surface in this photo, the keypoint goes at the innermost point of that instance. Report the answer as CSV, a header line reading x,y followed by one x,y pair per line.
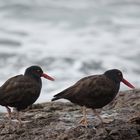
x,y
59,121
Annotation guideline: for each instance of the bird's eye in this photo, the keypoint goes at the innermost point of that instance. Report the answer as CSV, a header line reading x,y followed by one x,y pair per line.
x,y
38,70
119,74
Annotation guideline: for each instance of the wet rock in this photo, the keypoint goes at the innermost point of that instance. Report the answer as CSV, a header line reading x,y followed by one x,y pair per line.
x,y
59,121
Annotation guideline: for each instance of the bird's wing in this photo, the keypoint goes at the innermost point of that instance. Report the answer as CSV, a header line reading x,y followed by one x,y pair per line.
x,y
15,89
88,87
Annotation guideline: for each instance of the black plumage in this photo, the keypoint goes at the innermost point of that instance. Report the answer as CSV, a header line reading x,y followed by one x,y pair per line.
x,y
22,91
94,91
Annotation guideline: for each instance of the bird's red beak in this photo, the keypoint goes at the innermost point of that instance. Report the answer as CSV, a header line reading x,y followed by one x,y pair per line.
x,y
47,77
127,83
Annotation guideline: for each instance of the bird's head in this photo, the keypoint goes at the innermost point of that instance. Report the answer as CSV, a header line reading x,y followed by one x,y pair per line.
x,y
37,72
117,76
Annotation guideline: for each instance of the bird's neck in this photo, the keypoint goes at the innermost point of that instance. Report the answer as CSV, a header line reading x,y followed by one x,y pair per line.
x,y
34,77
112,77
115,81
117,86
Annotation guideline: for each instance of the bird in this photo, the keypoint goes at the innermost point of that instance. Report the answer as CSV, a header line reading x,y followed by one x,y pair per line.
x,y
21,91
94,91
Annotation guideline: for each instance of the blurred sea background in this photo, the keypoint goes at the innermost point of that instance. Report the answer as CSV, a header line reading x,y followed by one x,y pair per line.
x,y
69,39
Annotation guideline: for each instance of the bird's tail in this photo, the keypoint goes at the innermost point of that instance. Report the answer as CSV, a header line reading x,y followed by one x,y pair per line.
x,y
58,96
63,94
55,98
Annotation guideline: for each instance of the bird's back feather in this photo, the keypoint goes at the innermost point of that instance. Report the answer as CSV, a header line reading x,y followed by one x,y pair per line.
x,y
19,91
91,91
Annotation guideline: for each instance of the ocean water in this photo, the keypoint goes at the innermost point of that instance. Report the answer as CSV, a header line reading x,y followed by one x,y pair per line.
x,y
69,39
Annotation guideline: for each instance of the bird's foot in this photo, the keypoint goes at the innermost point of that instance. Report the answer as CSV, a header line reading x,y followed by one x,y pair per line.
x,y
84,122
7,115
107,120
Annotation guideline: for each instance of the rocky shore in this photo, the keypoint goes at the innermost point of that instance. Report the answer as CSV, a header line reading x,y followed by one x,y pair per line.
x,y
59,121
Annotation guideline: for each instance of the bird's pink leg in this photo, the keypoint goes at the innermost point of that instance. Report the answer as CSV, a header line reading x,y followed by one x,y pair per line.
x,y
9,113
18,118
83,120
98,116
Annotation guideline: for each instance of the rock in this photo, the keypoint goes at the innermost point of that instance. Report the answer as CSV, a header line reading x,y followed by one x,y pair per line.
x,y
59,121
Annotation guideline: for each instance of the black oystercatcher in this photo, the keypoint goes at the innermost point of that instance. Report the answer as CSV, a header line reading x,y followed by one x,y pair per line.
x,y
22,91
94,91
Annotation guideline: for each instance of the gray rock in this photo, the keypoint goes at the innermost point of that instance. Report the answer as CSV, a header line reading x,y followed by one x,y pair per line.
x,y
59,121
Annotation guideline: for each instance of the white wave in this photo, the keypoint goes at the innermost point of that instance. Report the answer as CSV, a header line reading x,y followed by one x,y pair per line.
x,y
69,40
